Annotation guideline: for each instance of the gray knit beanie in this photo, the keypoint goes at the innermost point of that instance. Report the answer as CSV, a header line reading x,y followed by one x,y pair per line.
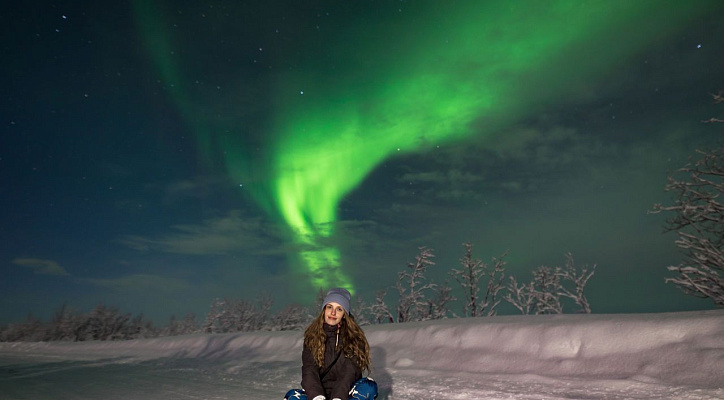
x,y
340,296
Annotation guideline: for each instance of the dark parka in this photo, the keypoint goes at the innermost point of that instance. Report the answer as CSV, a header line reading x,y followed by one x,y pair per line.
x,y
337,383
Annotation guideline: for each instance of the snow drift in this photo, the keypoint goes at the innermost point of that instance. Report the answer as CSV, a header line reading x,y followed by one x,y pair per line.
x,y
673,349
680,348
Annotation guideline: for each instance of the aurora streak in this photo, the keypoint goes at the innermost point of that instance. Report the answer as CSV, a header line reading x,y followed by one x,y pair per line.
x,y
469,68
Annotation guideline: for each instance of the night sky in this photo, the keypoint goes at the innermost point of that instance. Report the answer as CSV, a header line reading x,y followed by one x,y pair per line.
x,y
157,155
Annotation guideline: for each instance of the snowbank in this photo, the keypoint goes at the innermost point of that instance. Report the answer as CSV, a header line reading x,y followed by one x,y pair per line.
x,y
679,348
672,349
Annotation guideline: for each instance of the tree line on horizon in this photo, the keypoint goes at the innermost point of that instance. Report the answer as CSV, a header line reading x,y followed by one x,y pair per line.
x,y
483,285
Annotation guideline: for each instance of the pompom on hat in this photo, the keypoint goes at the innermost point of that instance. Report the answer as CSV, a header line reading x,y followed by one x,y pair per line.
x,y
340,296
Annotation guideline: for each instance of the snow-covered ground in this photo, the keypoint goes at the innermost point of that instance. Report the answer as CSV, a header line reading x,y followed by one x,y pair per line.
x,y
638,356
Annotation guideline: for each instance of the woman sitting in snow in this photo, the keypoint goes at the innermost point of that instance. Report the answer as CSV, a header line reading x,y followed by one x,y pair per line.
x,y
335,354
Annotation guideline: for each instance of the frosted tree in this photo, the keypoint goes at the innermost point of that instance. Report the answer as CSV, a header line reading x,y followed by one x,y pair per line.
x,y
438,305
232,315
547,288
240,316
185,326
379,310
539,296
698,220
263,314
290,318
188,324
411,286
469,277
172,328
579,280
32,330
104,323
214,316
543,294
521,296
138,328
64,325
496,275
361,311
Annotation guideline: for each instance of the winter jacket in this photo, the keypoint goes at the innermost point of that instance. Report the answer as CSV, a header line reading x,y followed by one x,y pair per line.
x,y
339,380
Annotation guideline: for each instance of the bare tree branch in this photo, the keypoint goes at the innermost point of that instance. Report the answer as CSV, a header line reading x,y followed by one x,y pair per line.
x,y
698,220
412,289
579,280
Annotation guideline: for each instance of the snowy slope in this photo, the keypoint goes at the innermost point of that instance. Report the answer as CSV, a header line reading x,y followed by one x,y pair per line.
x,y
642,356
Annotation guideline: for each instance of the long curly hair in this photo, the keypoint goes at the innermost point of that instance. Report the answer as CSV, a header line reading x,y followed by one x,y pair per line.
x,y
354,342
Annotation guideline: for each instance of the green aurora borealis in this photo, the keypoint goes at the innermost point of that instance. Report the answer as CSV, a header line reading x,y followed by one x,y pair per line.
x,y
457,72
158,155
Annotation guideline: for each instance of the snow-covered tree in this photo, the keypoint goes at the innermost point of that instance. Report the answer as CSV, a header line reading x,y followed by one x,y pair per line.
x,y
521,297
411,286
547,285
379,310
138,328
232,315
241,316
361,311
188,324
264,304
469,277
544,293
539,296
31,330
103,323
213,316
291,318
438,305
185,326
579,280
172,328
698,220
64,325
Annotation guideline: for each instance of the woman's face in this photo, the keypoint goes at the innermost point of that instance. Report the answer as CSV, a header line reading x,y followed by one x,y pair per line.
x,y
333,313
